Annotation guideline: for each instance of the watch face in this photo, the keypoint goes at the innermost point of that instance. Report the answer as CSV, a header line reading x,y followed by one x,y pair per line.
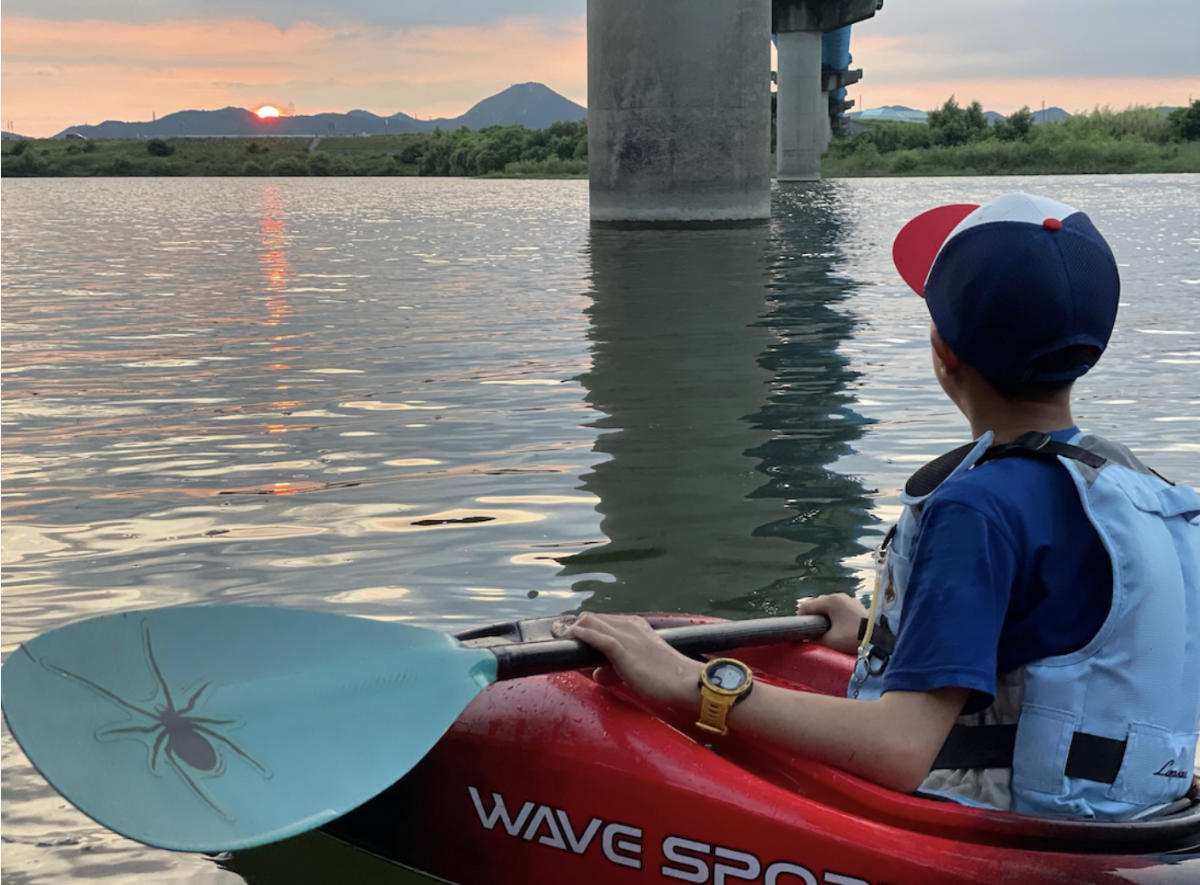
x,y
728,676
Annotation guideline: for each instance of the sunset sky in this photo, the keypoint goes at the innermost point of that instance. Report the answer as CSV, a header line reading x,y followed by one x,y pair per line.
x,y
68,62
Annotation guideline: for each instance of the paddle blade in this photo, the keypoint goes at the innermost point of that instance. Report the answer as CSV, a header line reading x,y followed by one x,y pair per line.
x,y
218,728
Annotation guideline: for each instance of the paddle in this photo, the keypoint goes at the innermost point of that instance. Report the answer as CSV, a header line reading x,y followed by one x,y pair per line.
x,y
224,727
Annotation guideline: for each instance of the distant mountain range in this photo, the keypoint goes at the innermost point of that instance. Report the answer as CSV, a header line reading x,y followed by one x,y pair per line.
x,y
531,104
894,112
902,114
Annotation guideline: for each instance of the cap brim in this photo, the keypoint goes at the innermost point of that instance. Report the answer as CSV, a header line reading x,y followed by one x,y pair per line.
x,y
917,244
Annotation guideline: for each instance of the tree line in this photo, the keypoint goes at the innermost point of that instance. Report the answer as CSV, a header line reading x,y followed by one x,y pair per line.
x,y
960,140
558,150
955,140
561,147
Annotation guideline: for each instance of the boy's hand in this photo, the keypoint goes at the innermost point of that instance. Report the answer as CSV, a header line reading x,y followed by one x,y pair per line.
x,y
844,613
641,658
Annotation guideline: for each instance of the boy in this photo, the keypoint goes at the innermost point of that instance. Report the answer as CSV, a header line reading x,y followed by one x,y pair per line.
x,y
1034,639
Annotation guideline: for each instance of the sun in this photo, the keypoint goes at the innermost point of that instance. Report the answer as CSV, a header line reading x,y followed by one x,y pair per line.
x,y
267,111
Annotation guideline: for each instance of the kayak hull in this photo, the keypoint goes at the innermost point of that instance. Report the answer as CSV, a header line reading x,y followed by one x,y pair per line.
x,y
559,779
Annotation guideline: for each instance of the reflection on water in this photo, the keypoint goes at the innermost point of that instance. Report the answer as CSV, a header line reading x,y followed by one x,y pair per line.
x,y
243,417
715,363
274,255
810,408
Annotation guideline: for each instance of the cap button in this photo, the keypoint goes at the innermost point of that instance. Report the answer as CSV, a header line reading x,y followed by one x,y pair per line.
x,y
1052,224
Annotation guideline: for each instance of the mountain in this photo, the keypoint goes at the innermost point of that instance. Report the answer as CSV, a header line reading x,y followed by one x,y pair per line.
x,y
908,115
1050,115
531,104
895,112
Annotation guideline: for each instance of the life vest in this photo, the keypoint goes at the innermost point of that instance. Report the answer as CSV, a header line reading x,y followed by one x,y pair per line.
x,y
1108,731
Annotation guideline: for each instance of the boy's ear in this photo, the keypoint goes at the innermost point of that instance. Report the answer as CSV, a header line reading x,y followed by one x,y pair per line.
x,y
947,356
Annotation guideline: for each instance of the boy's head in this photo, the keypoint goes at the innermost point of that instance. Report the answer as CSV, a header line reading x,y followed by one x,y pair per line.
x,y
1023,288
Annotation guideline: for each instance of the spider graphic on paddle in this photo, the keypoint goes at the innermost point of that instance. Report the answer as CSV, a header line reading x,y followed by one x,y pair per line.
x,y
189,743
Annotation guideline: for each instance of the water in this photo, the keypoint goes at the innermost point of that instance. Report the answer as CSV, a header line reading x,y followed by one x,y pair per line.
x,y
451,402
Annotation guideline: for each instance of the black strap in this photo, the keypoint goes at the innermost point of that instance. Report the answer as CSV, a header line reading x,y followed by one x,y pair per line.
x,y
1091,757
931,475
978,746
1034,443
883,643
882,636
1040,444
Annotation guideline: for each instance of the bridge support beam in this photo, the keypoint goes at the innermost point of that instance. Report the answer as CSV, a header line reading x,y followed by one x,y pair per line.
x,y
679,111
802,108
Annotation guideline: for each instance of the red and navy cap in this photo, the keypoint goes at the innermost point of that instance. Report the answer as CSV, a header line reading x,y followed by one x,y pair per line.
x,y
1023,288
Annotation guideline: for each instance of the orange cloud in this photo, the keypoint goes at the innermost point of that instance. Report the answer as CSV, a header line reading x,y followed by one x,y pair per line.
x,y
60,73
56,74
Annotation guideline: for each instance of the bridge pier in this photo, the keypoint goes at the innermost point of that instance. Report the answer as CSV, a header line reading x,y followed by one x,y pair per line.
x,y
679,113
679,104
801,111
802,104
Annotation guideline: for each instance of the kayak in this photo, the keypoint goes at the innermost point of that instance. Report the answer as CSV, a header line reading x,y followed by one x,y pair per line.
x,y
556,778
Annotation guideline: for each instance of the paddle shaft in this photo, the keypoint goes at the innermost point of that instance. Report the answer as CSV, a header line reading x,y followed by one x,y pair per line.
x,y
534,658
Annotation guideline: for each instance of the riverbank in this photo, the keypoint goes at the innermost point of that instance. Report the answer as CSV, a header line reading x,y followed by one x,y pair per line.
x,y
956,141
959,141
1115,157
510,151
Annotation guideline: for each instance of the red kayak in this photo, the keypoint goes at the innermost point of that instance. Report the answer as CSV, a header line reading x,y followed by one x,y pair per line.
x,y
556,779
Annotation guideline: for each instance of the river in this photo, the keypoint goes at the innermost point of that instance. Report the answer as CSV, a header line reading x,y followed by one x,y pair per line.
x,y
452,402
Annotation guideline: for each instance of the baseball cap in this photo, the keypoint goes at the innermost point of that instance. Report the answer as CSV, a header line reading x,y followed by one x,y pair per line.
x,y
1023,288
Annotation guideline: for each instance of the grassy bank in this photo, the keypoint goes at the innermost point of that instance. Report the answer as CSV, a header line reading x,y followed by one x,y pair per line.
x,y
956,141
205,156
961,143
513,151
1108,156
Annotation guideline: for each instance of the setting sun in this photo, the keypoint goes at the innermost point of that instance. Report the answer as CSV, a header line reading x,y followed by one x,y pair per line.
x,y
267,110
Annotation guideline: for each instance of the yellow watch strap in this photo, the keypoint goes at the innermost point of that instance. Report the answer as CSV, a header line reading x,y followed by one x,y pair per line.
x,y
713,710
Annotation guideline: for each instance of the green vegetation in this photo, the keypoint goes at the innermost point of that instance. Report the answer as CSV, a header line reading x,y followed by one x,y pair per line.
x,y
156,156
156,147
958,141
1185,122
955,141
560,149
557,151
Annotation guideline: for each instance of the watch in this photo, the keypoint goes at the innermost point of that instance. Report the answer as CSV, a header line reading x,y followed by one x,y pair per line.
x,y
723,683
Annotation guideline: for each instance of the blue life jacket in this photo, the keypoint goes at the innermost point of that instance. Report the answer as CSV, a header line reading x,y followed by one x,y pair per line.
x,y
1108,731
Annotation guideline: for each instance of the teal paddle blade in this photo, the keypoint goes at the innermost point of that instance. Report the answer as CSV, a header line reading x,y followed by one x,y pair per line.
x,y
218,728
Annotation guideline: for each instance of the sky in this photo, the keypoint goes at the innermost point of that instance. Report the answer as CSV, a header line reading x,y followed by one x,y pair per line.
x,y
70,62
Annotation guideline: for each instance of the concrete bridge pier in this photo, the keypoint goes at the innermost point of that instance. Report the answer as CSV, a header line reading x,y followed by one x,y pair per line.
x,y
802,105
679,111
802,112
